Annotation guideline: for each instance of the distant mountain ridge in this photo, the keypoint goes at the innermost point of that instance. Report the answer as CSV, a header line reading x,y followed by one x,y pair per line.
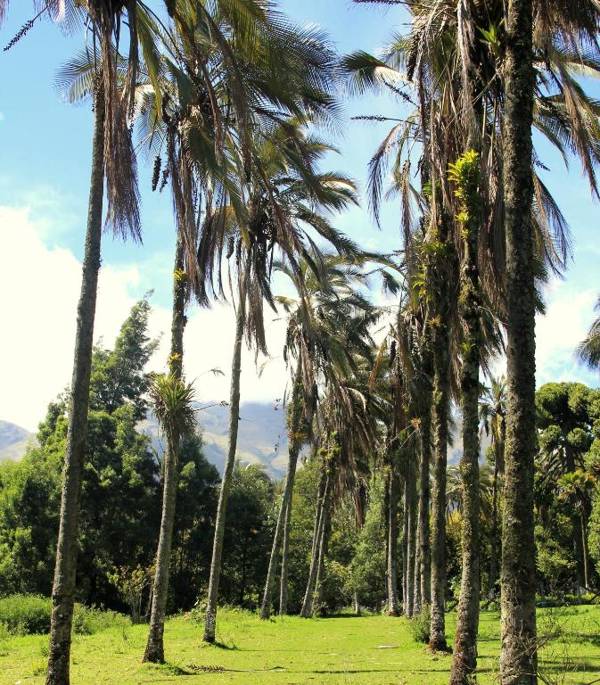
x,y
13,441
262,437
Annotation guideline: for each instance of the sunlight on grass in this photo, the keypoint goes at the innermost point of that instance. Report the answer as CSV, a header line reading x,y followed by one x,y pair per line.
x,y
291,651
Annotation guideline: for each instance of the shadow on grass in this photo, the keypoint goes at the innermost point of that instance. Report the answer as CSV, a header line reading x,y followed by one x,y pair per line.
x,y
573,665
222,645
346,615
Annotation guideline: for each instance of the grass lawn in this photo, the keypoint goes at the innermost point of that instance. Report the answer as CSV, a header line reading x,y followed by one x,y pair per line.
x,y
290,651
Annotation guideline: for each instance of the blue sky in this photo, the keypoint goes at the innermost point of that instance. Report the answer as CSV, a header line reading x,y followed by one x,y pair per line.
x,y
44,177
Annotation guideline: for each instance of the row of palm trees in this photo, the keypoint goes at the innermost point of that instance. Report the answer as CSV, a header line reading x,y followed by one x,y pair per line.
x,y
227,95
481,76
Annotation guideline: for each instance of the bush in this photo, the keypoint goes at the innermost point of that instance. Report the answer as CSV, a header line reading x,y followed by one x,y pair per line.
x,y
90,620
25,614
30,615
419,626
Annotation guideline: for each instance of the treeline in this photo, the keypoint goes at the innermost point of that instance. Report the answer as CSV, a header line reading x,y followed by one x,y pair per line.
x,y
121,498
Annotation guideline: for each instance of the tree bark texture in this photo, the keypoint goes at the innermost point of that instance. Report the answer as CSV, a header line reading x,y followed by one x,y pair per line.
x,y
393,604
441,399
518,658
464,660
63,588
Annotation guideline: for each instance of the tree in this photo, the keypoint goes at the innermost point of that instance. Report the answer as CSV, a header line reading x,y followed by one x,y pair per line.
x,y
312,331
492,413
64,579
120,472
276,221
518,659
565,419
112,158
172,399
465,174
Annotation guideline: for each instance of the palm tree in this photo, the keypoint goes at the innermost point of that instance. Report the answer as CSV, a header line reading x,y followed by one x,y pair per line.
x,y
182,186
113,159
589,349
465,174
347,418
428,50
209,92
309,328
284,199
173,405
65,569
492,414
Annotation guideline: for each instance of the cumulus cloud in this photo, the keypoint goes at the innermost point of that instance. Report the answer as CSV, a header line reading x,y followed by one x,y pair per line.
x,y
569,312
40,287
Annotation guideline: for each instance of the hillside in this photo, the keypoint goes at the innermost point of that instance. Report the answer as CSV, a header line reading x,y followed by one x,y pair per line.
x,y
13,440
262,435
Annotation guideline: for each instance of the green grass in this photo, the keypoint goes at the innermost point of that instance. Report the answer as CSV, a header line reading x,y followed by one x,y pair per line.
x,y
291,651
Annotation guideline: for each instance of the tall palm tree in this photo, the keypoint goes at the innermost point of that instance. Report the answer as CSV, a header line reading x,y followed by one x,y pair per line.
x,y
173,404
347,419
65,569
492,414
518,659
286,196
466,176
113,159
182,186
310,326
443,43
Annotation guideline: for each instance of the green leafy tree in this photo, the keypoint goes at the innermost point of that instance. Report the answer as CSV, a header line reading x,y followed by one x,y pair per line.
x,y
566,413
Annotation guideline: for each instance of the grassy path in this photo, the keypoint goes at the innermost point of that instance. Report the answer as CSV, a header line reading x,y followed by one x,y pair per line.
x,y
373,650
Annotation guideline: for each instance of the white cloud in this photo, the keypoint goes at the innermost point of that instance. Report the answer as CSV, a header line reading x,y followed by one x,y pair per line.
x,y
40,287
569,312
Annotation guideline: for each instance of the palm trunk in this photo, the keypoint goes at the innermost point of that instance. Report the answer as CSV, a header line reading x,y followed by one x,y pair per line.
x,y
295,442
424,497
210,622
494,536
393,607
63,588
417,571
307,604
405,553
518,658
323,547
411,547
441,399
155,651
285,558
464,661
496,542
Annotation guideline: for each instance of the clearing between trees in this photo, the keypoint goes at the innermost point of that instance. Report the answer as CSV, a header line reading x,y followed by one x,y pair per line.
x,y
377,650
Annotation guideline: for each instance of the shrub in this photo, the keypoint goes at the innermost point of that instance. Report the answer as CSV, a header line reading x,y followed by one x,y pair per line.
x,y
30,614
25,614
419,625
90,620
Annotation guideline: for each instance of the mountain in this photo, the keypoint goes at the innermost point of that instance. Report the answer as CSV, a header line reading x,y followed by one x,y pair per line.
x,y
262,437
13,440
